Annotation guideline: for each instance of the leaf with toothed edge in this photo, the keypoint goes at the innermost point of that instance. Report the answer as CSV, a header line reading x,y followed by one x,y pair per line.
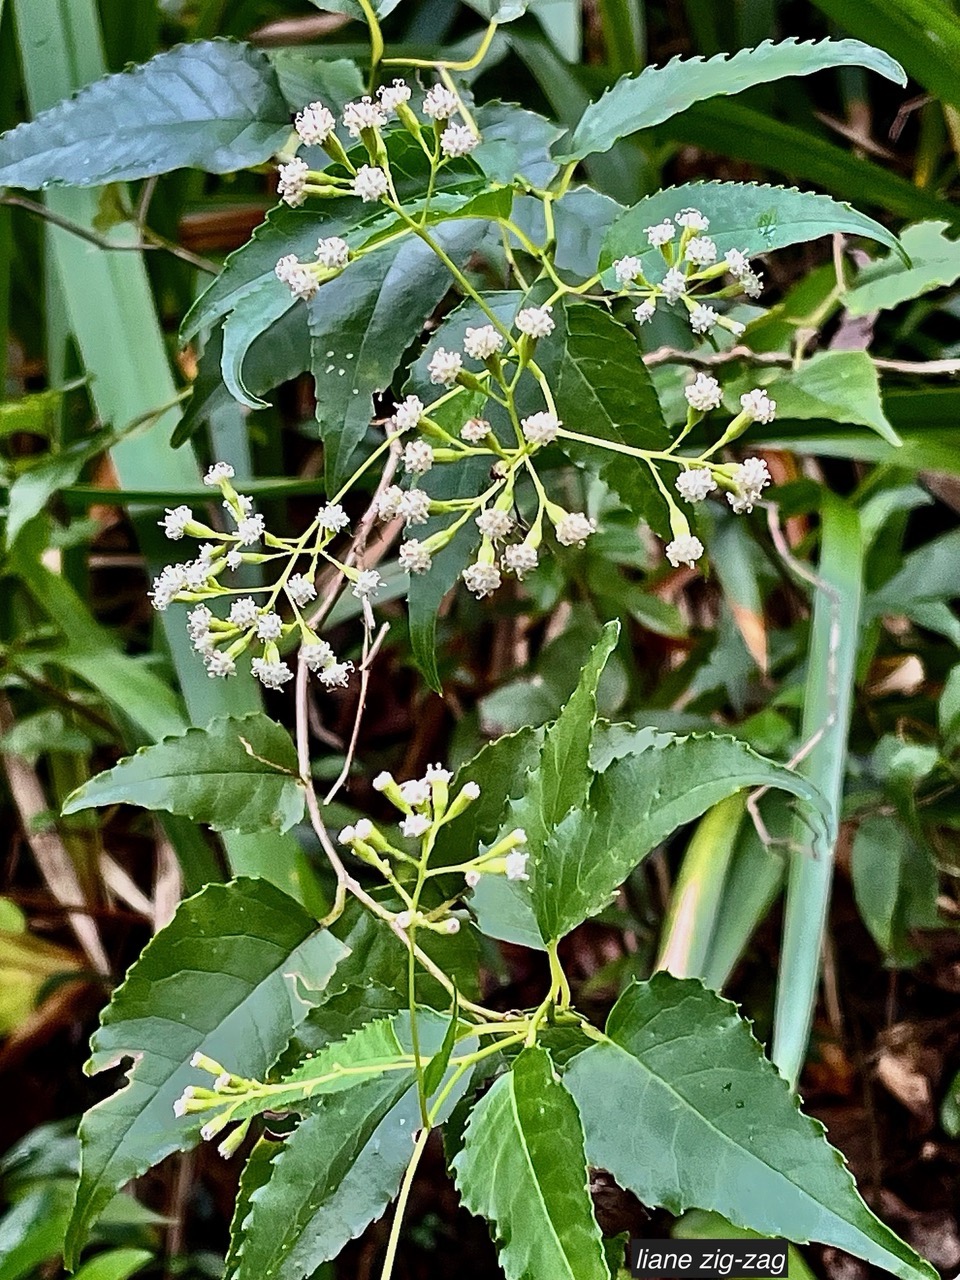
x,y
213,105
752,217
219,980
658,93
239,774
715,1126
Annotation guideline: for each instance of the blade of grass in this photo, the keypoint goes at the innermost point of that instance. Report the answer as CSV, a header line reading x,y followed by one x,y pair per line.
x,y
831,672
698,891
112,316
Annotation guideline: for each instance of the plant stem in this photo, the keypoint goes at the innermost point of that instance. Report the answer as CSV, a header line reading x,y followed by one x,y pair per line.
x,y
402,1199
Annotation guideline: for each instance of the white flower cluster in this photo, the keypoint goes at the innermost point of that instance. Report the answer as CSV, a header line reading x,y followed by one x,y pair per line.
x,y
248,625
693,261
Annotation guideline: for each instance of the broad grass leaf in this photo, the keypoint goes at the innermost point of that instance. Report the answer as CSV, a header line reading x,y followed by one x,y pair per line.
x,y
217,979
713,1125
522,1167
752,217
240,774
657,93
213,105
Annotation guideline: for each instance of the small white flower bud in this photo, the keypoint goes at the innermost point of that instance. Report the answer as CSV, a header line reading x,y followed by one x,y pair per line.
x,y
332,518
414,825
696,484
175,521
750,478
250,529
219,471
703,394
703,318
440,103
314,124
693,220
408,414
536,322
336,675
417,457
301,282
333,253
414,557
481,579
520,559
370,184
515,865
472,878
393,95
574,529
451,925
674,285
494,524
445,367
758,405
541,428
737,263
383,780
363,114
414,506
269,626
300,589
367,585
684,550
416,792
661,234
627,269
273,675
471,790
316,656
645,312
458,140
243,612
701,251
292,182
482,343
475,430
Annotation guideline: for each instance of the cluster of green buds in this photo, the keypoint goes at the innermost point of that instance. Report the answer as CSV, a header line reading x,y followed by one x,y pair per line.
x,y
427,805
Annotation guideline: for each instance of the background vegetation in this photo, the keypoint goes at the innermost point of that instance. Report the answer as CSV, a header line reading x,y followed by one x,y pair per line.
x,y
94,285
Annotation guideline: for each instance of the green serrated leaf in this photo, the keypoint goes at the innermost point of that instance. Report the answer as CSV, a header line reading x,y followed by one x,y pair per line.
x,y
743,215
337,1172
211,105
515,142
603,389
522,1168
887,282
305,78
657,93
837,386
362,322
240,774
714,1126
215,980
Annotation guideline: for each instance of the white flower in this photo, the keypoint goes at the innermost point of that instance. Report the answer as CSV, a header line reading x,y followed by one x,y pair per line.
x,y
481,579
196,573
370,183
414,825
482,343
198,621
244,612
440,103
645,311
734,326
408,414
250,529
368,584
417,457
301,282
470,790
703,318
414,506
495,524
752,284
219,665
475,430
536,322
627,269
444,367
393,95
701,251
219,471
458,140
515,865
274,675
388,503
703,393
332,518
363,114
751,477
314,124
403,919
519,559
333,253
347,835
696,484
738,263
674,285
414,557
541,428
244,502
364,829
336,674
175,521
203,642
269,626
451,925
316,655
383,780
437,773
472,878
684,550
167,586
292,182
415,792
233,559
661,234
758,405
300,589
693,220
574,529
